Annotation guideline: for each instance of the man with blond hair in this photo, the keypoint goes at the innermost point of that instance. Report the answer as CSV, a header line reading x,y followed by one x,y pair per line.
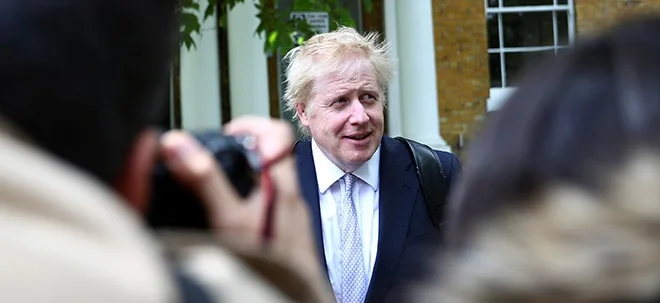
x,y
369,215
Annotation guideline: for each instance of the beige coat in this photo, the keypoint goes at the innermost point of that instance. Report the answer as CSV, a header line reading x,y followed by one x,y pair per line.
x,y
67,238
569,246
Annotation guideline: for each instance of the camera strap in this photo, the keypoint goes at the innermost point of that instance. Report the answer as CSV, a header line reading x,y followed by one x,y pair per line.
x,y
270,195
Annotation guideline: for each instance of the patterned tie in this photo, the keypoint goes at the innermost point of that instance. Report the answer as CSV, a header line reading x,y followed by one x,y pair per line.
x,y
353,274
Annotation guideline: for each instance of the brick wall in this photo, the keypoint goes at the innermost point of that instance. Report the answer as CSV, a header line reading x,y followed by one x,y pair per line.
x,y
462,65
462,60
593,15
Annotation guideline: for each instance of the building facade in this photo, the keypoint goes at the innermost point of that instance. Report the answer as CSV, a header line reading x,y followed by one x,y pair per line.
x,y
458,59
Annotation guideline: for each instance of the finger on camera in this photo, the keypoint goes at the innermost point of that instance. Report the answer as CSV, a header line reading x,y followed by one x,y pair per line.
x,y
193,165
285,175
260,126
247,124
273,136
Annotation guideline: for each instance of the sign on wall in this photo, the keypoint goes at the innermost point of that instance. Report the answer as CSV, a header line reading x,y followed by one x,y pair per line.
x,y
319,21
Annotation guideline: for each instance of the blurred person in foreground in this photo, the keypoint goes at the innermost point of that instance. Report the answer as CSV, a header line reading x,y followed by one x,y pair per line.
x,y
560,199
370,218
79,96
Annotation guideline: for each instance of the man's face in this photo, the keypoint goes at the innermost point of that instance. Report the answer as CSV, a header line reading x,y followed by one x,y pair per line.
x,y
345,115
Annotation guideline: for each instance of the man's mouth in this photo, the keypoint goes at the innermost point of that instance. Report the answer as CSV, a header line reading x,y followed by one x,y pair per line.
x,y
359,136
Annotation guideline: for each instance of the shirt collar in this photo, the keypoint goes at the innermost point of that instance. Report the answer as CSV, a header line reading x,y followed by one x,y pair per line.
x,y
327,173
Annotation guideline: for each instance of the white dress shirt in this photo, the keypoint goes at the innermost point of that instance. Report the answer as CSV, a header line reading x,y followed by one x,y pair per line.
x,y
365,196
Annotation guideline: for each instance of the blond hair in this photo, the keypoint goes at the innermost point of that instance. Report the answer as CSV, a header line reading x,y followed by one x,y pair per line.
x,y
323,54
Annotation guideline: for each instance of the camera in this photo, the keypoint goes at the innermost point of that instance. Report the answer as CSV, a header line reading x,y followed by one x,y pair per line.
x,y
175,207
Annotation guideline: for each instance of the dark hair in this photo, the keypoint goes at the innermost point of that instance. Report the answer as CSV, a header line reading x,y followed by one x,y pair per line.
x,y
82,78
572,120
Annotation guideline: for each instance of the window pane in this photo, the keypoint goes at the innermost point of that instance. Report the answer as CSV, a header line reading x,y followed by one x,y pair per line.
x,y
515,63
562,27
528,29
562,2
562,50
526,2
493,31
495,70
493,3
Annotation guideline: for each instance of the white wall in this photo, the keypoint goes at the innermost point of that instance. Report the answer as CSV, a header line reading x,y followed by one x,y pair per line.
x,y
200,79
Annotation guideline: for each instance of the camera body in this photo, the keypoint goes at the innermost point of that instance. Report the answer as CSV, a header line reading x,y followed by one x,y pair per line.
x,y
172,206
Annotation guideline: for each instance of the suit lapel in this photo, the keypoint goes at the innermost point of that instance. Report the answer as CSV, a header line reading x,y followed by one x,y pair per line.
x,y
398,189
310,191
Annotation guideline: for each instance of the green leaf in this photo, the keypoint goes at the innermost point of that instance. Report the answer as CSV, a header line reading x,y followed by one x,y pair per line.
x,y
210,10
194,5
281,33
231,3
190,5
188,18
188,42
368,6
272,38
190,23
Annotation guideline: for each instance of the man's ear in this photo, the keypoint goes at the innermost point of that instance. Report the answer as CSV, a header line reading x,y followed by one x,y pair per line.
x,y
134,183
301,110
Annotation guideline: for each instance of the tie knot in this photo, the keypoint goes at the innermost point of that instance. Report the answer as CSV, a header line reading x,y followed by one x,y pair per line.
x,y
349,180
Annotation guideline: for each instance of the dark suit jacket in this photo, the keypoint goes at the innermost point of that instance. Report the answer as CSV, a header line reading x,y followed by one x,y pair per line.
x,y
406,234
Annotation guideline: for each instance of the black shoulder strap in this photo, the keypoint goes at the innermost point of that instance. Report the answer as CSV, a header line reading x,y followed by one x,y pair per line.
x,y
431,177
190,290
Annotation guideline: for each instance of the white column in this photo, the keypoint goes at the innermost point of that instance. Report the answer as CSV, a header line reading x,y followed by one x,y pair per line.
x,y
394,123
248,68
417,78
200,79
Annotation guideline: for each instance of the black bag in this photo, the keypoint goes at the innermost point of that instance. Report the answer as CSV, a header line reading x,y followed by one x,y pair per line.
x,y
431,177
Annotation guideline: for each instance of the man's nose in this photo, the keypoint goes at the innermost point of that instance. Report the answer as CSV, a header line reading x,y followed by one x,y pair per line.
x,y
358,113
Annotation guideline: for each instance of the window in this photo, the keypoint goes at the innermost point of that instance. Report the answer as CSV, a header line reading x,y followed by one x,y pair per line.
x,y
520,32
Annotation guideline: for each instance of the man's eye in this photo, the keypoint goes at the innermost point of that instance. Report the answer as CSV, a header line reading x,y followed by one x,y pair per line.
x,y
368,97
339,101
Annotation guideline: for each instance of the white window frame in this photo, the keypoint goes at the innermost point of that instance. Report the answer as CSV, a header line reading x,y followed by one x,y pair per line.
x,y
499,94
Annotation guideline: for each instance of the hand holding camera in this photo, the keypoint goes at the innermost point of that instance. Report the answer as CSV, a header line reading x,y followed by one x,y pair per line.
x,y
247,200
239,199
